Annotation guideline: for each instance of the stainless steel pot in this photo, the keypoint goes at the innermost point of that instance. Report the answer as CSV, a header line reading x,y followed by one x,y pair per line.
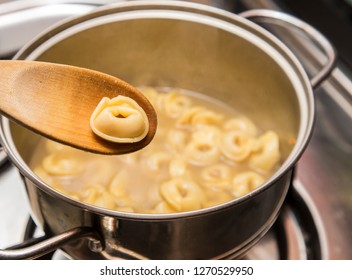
x,y
181,45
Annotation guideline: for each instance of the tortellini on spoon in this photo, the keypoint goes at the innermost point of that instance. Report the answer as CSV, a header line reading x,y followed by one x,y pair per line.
x,y
119,120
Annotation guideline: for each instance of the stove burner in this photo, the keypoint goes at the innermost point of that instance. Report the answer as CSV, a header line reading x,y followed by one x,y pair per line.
x,y
294,235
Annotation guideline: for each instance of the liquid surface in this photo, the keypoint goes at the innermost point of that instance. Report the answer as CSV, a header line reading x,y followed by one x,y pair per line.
x,y
203,154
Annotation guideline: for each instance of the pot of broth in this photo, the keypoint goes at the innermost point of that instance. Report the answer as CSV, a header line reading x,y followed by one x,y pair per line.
x,y
235,112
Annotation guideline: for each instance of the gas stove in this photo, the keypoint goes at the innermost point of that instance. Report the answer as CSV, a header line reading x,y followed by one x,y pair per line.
x,y
316,219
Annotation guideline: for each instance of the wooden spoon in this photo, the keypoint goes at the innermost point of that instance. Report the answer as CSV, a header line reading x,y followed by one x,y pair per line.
x,y
57,100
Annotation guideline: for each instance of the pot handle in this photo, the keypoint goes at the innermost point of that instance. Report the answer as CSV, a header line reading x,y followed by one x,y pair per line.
x,y
42,247
312,33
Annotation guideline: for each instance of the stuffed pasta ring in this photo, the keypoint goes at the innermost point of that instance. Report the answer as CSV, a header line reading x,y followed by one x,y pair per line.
x,y
119,119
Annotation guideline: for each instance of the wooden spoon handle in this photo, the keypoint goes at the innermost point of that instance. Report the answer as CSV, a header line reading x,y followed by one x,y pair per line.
x,y
31,91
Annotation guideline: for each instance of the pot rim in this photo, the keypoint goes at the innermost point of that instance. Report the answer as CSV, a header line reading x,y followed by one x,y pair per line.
x,y
203,13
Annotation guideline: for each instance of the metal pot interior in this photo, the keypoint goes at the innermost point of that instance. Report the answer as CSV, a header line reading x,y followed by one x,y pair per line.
x,y
227,59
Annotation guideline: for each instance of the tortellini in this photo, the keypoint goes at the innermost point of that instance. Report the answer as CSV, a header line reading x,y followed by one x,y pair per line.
x,y
175,104
266,153
245,182
236,145
182,195
215,197
91,193
216,176
202,152
242,124
119,119
202,155
118,185
202,148
199,115
57,164
162,208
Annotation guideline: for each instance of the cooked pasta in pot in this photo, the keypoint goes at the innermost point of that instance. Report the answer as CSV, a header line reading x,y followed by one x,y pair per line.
x,y
203,154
